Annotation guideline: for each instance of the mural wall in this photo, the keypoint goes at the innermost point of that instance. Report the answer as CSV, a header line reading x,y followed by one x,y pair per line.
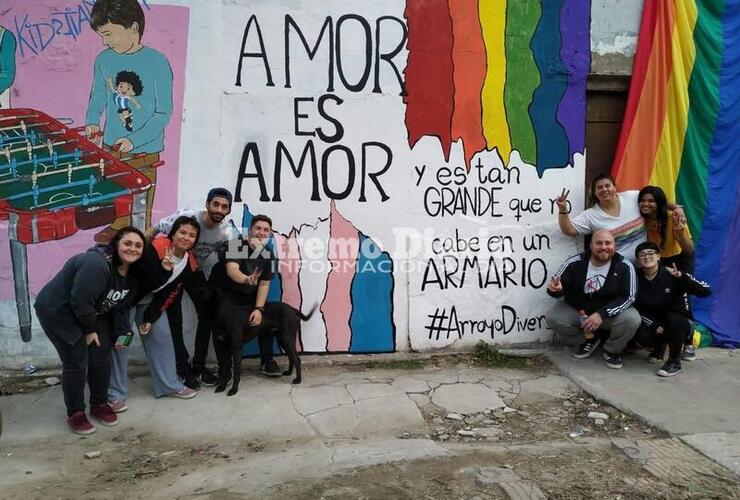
x,y
408,153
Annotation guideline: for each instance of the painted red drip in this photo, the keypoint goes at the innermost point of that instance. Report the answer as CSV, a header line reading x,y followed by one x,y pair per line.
x,y
429,72
470,73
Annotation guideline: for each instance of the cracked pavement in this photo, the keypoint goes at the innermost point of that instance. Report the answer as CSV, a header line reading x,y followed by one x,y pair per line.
x,y
341,418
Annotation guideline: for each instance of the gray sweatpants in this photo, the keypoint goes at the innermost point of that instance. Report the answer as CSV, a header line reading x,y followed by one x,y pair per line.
x,y
565,321
160,352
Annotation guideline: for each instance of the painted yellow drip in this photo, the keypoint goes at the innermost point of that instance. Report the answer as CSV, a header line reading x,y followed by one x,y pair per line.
x,y
683,54
495,127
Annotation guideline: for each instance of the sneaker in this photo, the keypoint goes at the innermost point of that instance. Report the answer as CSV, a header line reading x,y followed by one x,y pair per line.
x,y
190,380
207,378
689,353
118,406
270,369
184,393
656,355
613,360
587,348
670,368
104,414
79,424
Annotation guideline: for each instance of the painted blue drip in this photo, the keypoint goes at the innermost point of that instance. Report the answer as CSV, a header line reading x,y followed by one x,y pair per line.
x,y
551,139
371,321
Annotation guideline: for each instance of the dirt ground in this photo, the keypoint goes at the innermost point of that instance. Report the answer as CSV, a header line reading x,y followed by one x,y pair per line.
x,y
550,444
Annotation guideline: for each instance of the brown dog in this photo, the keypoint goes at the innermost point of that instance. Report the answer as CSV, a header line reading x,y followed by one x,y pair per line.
x,y
279,319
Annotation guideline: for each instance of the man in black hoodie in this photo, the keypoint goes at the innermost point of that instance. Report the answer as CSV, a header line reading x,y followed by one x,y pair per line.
x,y
599,288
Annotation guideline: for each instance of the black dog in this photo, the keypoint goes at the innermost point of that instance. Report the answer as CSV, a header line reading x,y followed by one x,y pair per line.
x,y
280,320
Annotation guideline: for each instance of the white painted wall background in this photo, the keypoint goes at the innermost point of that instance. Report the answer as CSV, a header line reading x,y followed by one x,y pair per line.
x,y
218,118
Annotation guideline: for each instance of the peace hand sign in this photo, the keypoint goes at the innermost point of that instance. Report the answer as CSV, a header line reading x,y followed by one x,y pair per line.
x,y
253,278
562,201
674,270
555,285
167,263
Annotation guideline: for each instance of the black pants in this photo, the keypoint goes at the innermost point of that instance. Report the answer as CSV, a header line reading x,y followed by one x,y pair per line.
x,y
204,307
676,329
81,362
174,317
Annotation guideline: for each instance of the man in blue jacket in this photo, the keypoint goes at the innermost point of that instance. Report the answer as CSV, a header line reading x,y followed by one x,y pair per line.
x,y
598,287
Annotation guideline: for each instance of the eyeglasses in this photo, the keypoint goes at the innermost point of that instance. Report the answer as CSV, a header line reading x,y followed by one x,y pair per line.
x,y
647,253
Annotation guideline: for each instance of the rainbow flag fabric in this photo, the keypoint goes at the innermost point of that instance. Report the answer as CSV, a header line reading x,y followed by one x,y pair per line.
x,y
499,74
681,132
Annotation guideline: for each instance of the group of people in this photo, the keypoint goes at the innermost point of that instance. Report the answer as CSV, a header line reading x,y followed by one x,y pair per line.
x,y
605,299
86,310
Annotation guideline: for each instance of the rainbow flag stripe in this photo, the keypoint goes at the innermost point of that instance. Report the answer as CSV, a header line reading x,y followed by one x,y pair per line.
x,y
681,132
503,74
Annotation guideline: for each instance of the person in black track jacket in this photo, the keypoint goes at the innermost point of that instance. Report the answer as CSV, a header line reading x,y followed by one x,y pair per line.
x,y
599,288
660,302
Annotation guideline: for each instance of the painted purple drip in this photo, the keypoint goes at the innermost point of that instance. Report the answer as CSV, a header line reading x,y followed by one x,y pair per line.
x,y
575,53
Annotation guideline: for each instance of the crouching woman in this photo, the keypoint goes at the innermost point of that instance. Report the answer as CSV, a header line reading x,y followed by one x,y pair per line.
x,y
167,265
82,310
660,297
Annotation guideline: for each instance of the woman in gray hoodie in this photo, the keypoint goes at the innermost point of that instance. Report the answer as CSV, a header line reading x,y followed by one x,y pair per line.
x,y
82,310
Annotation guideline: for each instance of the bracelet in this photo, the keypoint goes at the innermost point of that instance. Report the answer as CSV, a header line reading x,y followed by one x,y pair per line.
x,y
564,213
260,308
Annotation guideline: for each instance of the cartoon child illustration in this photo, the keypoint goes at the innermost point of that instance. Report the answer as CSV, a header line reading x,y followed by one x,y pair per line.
x,y
128,86
120,24
7,65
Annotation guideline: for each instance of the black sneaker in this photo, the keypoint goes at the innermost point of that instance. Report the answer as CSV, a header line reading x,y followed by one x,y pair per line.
x,y
613,360
587,348
657,354
689,353
190,380
670,368
270,369
207,378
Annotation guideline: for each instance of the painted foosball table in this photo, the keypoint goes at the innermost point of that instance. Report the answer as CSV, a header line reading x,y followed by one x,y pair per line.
x,y
54,182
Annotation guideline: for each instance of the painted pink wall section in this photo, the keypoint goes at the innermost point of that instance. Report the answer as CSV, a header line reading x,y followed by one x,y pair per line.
x,y
289,267
337,305
57,79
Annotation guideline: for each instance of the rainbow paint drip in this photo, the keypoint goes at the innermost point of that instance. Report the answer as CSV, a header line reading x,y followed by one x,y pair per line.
x,y
503,74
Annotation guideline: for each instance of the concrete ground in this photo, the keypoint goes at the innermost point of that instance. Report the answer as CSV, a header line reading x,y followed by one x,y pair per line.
x,y
701,404
509,431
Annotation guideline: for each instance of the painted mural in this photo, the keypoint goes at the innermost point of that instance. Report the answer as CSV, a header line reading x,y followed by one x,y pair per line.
x,y
88,132
409,153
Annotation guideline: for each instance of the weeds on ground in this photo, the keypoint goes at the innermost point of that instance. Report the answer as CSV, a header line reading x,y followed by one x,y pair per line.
x,y
397,364
487,355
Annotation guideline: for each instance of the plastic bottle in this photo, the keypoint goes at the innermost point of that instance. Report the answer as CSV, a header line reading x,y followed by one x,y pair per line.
x,y
586,333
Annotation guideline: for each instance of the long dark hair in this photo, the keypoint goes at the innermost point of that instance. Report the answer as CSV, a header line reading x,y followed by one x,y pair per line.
x,y
661,210
185,220
112,247
592,199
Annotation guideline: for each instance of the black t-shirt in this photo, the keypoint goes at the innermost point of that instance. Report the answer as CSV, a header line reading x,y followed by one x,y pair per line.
x,y
117,294
249,261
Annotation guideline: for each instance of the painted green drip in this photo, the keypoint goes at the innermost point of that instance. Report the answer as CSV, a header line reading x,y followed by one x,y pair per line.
x,y
691,185
522,77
